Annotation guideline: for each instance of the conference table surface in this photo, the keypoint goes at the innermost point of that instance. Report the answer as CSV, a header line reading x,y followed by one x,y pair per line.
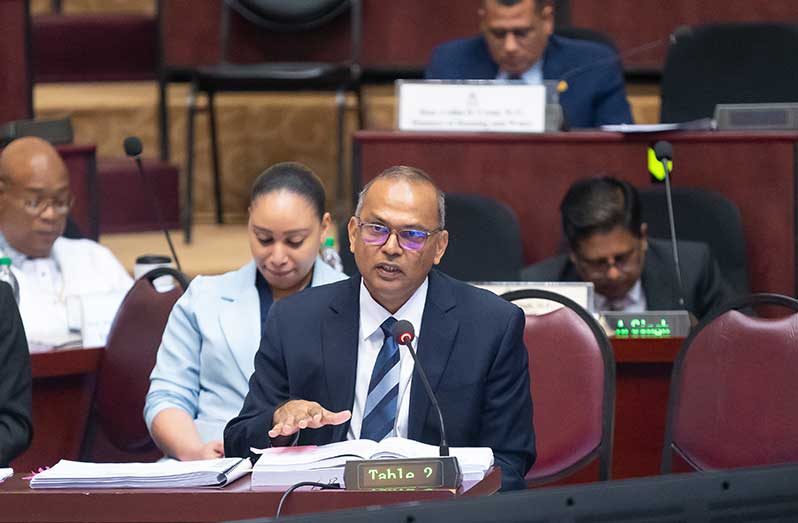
x,y
20,503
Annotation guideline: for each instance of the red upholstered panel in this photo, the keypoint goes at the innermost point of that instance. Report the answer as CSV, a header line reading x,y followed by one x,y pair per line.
x,y
567,385
82,48
738,393
125,203
124,377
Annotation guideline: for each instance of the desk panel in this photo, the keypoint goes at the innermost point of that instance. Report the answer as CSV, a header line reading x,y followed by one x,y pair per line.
x,y
237,501
531,173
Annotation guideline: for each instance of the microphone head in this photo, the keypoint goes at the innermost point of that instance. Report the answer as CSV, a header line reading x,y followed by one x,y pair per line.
x,y
133,146
403,332
683,31
663,150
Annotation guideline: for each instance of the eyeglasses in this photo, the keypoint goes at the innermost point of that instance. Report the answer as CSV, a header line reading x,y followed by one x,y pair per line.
x,y
625,262
60,205
378,234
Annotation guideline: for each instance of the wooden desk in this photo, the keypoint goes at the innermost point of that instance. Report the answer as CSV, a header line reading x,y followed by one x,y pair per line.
x,y
16,91
63,385
21,504
531,173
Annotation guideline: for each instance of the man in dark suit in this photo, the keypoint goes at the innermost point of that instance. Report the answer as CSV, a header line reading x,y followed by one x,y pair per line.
x,y
16,427
327,361
609,247
517,43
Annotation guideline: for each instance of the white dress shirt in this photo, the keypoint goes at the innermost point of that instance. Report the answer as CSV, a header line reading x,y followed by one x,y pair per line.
x,y
634,301
370,339
532,76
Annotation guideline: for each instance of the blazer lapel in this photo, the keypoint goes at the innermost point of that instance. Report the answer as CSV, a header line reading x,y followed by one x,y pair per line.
x,y
339,342
435,345
239,319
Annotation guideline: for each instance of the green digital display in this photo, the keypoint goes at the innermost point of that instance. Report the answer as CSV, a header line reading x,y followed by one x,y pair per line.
x,y
401,474
642,328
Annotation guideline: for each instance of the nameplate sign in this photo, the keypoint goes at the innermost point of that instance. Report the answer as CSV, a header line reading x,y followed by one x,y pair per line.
x,y
481,106
579,292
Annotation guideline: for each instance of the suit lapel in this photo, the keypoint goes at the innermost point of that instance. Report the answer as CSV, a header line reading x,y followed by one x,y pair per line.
x,y
658,280
339,340
239,319
435,345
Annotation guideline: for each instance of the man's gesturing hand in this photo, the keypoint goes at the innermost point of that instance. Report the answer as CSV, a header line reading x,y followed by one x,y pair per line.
x,y
301,414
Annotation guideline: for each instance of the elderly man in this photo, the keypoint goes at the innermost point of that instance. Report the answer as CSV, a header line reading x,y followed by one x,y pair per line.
x,y
16,426
517,44
34,202
609,246
328,364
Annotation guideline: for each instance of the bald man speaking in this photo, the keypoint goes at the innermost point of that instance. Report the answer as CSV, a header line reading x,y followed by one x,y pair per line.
x,y
35,199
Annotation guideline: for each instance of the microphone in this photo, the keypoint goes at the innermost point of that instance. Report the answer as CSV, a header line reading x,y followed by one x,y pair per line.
x,y
404,334
133,149
680,32
664,153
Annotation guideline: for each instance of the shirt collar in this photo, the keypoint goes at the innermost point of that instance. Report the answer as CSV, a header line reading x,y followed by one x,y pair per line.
x,y
533,75
372,314
633,297
17,258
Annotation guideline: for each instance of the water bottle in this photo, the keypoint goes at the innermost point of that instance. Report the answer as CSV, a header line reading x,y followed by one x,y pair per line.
x,y
7,276
330,255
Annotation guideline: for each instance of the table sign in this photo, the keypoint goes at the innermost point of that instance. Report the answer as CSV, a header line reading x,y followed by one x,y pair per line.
x,y
475,105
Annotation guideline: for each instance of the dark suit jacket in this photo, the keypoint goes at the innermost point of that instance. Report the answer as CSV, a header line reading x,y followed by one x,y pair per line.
x,y
595,96
704,287
471,346
16,427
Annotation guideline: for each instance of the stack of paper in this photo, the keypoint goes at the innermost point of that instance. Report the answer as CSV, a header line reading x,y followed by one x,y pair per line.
x,y
166,474
325,463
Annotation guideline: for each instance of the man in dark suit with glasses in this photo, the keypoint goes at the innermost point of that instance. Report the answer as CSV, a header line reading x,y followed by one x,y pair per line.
x,y
328,369
609,246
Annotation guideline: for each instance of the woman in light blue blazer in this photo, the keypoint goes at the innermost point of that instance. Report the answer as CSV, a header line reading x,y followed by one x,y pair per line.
x,y
207,352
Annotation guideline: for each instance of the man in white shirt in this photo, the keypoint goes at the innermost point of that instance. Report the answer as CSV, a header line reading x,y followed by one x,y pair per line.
x,y
35,199
328,368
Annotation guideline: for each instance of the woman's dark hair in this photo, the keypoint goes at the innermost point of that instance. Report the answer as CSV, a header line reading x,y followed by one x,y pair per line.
x,y
293,177
598,205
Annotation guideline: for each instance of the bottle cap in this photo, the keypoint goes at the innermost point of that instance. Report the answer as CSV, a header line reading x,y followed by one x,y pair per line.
x,y
5,261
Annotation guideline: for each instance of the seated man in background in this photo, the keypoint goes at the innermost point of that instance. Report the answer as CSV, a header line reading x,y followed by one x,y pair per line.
x,y
16,426
331,347
517,43
609,247
34,201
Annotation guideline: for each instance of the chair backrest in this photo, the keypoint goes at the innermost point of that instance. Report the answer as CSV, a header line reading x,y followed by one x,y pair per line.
x,y
289,17
734,393
130,353
703,216
572,382
484,240
729,63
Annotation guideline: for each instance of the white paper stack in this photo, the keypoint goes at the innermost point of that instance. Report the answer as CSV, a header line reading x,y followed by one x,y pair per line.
x,y
325,463
164,474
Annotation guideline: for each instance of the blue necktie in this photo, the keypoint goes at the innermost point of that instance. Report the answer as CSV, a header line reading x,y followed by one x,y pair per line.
x,y
379,416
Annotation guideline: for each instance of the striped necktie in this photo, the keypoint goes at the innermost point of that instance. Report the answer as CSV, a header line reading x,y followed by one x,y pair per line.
x,y
379,416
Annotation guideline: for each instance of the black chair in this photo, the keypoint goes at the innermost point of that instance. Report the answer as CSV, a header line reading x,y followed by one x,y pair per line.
x,y
276,16
703,216
729,63
484,240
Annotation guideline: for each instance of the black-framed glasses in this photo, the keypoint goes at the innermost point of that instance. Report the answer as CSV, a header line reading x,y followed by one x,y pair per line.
x,y
625,262
378,234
